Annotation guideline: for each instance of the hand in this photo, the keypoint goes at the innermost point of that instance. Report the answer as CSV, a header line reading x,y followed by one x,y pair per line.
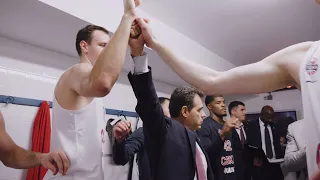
x,y
257,161
146,32
136,41
121,130
130,5
316,175
56,162
229,125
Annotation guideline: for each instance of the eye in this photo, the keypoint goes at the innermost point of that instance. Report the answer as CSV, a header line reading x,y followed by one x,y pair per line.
x,y
103,44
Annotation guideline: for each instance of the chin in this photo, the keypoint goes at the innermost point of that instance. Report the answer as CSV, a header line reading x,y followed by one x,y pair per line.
x,y
317,1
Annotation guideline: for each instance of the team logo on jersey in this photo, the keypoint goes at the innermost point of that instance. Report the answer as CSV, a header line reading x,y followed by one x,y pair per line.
x,y
102,136
318,154
312,66
227,145
227,160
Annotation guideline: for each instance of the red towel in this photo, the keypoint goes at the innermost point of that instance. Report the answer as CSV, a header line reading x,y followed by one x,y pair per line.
x,y
40,139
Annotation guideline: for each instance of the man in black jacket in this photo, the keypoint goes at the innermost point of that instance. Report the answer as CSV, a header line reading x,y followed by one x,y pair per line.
x,y
173,149
125,148
237,109
263,135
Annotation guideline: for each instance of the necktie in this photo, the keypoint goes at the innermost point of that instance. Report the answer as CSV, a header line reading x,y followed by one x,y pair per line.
x,y
268,142
200,169
242,138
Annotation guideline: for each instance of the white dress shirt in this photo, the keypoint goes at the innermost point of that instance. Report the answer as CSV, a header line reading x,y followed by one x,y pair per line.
x,y
244,132
262,128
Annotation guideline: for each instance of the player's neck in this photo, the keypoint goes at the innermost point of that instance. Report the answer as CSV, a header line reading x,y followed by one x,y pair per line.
x,y
219,119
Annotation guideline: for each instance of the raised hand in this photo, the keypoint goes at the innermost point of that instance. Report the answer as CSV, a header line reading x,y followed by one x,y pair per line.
x,y
56,162
146,32
130,5
121,130
229,125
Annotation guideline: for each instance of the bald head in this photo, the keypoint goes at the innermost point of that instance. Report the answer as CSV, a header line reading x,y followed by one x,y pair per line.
x,y
267,114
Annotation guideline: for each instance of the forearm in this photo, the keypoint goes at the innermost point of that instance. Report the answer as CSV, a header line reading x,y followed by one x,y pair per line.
x,y
294,161
109,64
195,74
120,155
22,159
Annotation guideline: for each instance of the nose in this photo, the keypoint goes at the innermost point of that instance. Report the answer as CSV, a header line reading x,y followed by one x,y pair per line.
x,y
203,114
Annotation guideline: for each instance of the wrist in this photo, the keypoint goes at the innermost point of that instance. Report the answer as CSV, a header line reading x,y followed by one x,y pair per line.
x,y
40,157
130,16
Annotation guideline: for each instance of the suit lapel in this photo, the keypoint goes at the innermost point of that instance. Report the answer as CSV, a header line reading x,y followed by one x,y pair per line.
x,y
192,142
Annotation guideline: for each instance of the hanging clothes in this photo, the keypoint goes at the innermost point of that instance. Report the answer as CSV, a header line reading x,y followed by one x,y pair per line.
x,y
40,139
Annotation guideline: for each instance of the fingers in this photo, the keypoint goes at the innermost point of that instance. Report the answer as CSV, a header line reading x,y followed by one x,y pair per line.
x,y
142,23
52,168
57,159
65,161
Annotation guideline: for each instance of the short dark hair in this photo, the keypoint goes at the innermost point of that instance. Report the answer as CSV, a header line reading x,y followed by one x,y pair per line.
x,y
209,99
234,104
85,34
183,96
163,99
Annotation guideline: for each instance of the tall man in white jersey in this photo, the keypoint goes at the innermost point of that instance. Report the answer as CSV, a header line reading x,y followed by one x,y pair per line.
x,y
78,111
295,65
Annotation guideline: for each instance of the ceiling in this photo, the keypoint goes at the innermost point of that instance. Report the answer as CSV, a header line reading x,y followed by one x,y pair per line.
x,y
240,32
37,24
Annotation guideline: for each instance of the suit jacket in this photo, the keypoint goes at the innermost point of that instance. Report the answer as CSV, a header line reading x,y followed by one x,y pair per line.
x,y
295,155
125,151
171,147
265,170
241,158
254,137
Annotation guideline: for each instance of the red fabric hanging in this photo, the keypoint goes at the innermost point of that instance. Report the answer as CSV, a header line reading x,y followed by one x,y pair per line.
x,y
40,139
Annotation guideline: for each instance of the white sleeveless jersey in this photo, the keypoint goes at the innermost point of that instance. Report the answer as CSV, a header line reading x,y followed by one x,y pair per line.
x,y
310,90
78,134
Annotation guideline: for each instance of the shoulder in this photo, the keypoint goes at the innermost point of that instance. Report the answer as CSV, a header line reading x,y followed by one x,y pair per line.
x,y
295,126
79,69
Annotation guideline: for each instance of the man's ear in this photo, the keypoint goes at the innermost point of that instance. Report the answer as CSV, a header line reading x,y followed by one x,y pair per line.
x,y
209,106
84,46
184,111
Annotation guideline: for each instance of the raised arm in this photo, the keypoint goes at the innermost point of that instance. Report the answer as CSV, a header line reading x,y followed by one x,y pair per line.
x,y
274,72
16,157
97,81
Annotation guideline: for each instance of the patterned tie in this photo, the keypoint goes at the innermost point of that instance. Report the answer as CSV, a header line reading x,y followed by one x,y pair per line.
x,y
200,169
242,138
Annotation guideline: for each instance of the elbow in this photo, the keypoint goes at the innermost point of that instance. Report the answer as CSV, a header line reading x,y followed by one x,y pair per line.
x,y
104,85
7,161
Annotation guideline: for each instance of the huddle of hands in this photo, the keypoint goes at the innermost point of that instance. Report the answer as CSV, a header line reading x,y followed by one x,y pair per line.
x,y
140,33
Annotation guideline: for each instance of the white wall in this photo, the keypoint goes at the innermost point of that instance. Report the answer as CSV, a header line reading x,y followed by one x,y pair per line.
x,y
32,72
282,101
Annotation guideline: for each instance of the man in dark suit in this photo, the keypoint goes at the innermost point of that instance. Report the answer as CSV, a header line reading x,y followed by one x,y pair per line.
x,y
124,147
264,140
215,136
173,149
237,109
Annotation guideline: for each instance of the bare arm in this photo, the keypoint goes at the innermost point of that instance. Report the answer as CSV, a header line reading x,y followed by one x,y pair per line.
x,y
274,72
14,156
